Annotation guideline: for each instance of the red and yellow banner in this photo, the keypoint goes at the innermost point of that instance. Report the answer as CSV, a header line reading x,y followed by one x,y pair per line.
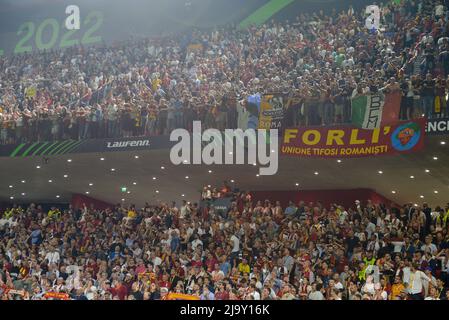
x,y
56,295
350,142
179,296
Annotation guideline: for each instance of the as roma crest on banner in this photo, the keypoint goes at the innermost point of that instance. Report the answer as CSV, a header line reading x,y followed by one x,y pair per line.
x,y
271,112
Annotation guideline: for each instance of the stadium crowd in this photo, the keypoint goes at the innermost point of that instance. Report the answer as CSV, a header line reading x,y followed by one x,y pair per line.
x,y
258,251
147,87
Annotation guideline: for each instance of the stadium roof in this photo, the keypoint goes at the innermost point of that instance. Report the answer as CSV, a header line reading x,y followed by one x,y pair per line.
x,y
403,178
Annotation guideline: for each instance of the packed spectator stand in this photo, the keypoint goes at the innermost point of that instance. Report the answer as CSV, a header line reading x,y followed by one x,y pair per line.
x,y
151,86
257,251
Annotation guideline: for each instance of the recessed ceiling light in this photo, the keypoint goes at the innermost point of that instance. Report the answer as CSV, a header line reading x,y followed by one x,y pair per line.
x,y
380,172
65,176
208,185
393,191
102,159
427,170
254,164
154,178
11,197
123,199
230,152
112,169
10,186
435,158
157,191
134,183
412,177
23,181
210,171
339,161
69,160
315,173
421,196
23,193
87,192
443,142
187,177
91,184
136,157
162,167
128,192
232,181
436,191
38,167
50,181
57,196
415,204
183,195
296,184
257,175
185,161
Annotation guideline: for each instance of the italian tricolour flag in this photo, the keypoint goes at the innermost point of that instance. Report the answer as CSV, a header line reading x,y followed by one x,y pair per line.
x,y
372,111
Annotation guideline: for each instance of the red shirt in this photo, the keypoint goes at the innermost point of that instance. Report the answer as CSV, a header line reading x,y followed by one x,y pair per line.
x,y
342,262
222,295
140,269
197,263
211,264
163,284
121,291
181,272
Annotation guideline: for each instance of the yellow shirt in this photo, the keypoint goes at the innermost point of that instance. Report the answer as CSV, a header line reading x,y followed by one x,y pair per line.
x,y
396,290
131,214
155,84
446,217
243,268
8,214
53,213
